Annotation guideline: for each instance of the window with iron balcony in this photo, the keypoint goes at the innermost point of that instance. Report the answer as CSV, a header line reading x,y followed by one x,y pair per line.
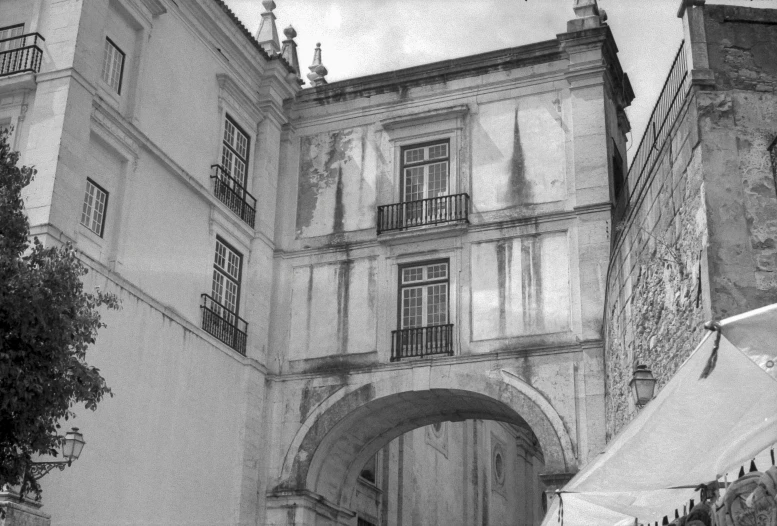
x,y
19,52
220,309
425,191
229,178
423,311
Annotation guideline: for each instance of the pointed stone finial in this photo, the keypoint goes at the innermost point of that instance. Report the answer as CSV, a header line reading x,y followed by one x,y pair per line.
x,y
267,34
317,69
289,51
588,15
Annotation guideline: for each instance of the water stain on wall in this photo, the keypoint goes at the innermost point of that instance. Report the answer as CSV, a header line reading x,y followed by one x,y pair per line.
x,y
531,284
520,186
504,262
343,288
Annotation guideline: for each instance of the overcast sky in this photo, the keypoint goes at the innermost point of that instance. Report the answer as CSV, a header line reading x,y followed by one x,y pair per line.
x,y
361,37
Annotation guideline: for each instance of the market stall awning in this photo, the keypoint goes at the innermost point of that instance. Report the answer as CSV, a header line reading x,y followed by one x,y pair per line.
x,y
694,431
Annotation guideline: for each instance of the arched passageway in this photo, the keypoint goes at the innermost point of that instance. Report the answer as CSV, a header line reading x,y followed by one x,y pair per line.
x,y
349,428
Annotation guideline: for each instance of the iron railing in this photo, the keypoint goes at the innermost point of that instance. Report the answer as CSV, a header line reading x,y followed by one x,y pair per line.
x,y
665,113
421,341
233,194
431,211
23,54
224,324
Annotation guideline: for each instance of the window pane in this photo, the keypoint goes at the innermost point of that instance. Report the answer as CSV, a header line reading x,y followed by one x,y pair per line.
x,y
414,183
415,155
439,271
113,62
437,180
438,150
412,307
437,304
93,210
410,275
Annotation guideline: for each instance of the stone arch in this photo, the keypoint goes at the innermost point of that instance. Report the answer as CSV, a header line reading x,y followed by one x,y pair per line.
x,y
343,432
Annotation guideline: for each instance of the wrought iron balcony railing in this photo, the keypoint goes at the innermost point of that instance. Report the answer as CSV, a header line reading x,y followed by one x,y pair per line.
x,y
20,54
431,211
421,341
233,194
224,324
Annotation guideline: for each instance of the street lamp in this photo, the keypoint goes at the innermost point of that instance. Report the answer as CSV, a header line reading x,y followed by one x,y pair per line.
x,y
642,385
71,450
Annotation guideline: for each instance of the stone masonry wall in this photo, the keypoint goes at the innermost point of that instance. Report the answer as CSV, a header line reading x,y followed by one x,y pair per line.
x,y
701,242
654,307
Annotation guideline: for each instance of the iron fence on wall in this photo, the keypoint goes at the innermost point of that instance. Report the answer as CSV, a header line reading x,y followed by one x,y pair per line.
x,y
233,194
421,341
224,324
424,212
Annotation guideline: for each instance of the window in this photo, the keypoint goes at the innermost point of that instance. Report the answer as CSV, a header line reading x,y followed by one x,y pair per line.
x,y
220,309
425,170
424,295
113,65
226,279
6,37
234,153
423,312
93,212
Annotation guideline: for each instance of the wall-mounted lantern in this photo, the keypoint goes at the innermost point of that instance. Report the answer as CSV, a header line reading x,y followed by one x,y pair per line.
x,y
71,450
642,385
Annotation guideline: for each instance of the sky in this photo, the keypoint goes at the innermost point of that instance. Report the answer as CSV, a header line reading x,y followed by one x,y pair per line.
x,y
362,37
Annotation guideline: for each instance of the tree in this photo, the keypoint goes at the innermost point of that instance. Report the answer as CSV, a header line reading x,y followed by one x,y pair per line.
x,y
47,322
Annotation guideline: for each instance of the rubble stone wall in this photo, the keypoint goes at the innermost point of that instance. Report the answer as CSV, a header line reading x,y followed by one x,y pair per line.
x,y
701,242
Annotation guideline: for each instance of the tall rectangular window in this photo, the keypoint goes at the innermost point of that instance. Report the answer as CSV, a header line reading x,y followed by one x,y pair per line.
x,y
425,170
93,211
425,174
113,65
424,295
234,153
226,279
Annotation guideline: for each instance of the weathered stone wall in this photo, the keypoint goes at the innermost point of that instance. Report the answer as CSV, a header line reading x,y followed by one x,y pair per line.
x,y
654,307
701,241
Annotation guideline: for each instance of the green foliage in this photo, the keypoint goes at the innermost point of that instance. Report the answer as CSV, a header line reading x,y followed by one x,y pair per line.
x,y
47,322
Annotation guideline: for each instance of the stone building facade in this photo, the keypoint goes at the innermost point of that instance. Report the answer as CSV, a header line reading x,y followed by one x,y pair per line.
x,y
696,225
375,301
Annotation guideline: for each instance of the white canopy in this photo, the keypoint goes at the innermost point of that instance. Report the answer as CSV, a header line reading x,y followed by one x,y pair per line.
x,y
693,432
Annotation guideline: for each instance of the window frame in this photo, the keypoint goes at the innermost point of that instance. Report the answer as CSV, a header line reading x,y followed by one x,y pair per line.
x,y
403,165
91,216
244,182
447,280
121,69
227,276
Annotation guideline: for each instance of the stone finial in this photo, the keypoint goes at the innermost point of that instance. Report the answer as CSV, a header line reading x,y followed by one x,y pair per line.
x,y
289,51
267,34
588,16
317,69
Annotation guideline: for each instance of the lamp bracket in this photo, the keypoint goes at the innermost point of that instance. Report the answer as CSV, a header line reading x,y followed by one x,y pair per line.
x,y
38,470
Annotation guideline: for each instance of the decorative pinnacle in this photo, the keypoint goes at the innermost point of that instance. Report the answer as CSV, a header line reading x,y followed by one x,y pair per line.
x,y
289,51
267,34
317,70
